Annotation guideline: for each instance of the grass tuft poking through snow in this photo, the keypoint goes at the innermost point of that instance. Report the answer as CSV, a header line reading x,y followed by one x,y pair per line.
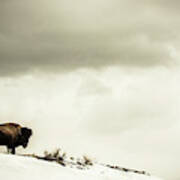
x,y
55,166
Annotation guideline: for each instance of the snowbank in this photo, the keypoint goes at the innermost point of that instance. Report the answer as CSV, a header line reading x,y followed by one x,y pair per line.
x,y
26,168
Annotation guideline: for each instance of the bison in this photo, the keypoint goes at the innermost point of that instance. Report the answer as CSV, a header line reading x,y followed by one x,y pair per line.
x,y
13,135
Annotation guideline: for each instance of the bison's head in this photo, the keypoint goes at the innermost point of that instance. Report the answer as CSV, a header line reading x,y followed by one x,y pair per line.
x,y
24,137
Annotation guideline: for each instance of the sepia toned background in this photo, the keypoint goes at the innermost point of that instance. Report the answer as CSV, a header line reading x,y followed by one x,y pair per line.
x,y
95,77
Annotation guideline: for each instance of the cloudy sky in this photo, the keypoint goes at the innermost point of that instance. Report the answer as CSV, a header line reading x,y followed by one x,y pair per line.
x,y
95,77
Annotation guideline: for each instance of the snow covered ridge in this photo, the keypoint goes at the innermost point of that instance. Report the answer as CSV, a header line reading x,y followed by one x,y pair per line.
x,y
21,168
79,163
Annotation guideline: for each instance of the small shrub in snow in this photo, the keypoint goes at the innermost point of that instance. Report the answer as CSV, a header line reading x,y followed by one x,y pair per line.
x,y
87,161
55,156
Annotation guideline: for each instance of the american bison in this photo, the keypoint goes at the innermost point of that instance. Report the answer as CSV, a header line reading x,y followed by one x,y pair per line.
x,y
13,135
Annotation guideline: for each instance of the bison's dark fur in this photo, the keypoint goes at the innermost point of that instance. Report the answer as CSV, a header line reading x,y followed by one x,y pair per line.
x,y
13,135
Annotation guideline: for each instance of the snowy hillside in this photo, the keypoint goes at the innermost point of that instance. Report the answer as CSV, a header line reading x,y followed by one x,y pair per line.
x,y
21,168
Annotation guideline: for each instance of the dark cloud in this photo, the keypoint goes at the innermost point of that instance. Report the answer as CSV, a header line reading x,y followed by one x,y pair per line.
x,y
62,36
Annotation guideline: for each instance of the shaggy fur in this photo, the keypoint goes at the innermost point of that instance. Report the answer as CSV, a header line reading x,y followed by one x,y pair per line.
x,y
13,135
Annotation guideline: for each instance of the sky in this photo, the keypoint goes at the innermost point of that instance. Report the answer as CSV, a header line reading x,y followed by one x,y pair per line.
x,y
95,77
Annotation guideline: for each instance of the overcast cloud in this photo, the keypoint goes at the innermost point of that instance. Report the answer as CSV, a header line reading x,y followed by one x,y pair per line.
x,y
64,35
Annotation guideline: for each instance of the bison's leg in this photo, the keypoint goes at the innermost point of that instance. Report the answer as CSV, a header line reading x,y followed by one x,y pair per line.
x,y
8,150
13,150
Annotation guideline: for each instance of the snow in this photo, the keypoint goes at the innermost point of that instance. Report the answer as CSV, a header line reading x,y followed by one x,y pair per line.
x,y
27,168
